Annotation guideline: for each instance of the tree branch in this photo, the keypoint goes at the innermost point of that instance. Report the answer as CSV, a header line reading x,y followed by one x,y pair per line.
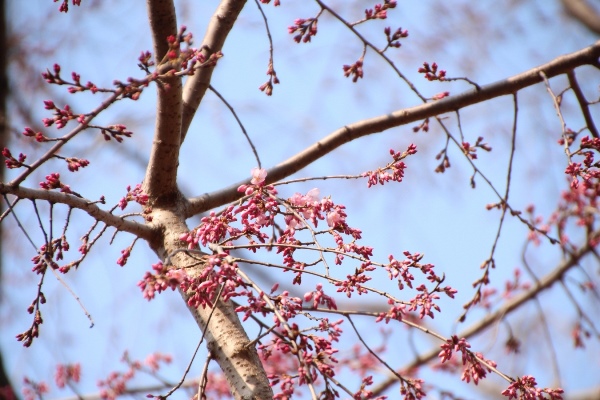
x,y
226,339
584,13
217,31
78,129
560,65
161,174
135,228
544,283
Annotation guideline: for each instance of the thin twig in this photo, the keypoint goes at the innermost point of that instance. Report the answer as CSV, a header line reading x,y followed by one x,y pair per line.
x,y
583,104
239,123
189,366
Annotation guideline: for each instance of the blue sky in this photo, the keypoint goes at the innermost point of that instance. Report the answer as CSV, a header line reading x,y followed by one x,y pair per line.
x,y
436,214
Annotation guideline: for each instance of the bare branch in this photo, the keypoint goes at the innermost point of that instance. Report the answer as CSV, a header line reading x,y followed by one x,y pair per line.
x,y
560,65
135,228
78,129
584,13
583,104
161,174
217,31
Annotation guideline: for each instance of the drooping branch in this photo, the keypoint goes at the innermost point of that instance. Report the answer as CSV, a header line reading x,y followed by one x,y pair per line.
x,y
135,228
161,174
217,31
350,132
544,283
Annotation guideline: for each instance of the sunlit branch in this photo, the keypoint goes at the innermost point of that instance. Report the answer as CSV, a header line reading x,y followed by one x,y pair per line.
x,y
353,131
91,208
217,31
161,173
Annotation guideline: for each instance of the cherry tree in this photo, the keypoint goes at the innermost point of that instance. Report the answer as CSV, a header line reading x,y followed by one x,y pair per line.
x,y
291,296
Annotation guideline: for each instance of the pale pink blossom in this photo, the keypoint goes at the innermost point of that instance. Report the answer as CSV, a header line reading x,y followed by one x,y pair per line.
x,y
258,175
333,218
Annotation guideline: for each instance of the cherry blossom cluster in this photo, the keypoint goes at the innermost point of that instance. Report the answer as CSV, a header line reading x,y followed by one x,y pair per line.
x,y
393,171
432,73
34,330
61,116
162,279
38,136
47,254
66,374
34,390
218,275
275,3
136,195
524,388
393,39
12,162
125,253
412,389
267,87
64,7
116,132
53,182
74,163
304,29
476,366
115,384
380,10
54,77
318,297
314,355
471,151
355,70
587,170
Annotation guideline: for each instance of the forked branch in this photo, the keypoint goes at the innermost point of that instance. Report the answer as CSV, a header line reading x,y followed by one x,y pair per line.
x,y
350,132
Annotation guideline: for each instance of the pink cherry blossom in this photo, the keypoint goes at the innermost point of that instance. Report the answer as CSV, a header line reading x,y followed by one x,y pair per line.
x,y
258,175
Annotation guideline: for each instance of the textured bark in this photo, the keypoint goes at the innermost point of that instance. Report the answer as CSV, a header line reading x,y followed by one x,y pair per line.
x,y
217,31
582,11
226,339
161,178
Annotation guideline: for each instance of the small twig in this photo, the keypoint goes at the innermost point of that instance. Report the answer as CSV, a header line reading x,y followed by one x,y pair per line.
x,y
77,299
373,353
583,104
239,123
559,114
203,378
49,265
189,366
